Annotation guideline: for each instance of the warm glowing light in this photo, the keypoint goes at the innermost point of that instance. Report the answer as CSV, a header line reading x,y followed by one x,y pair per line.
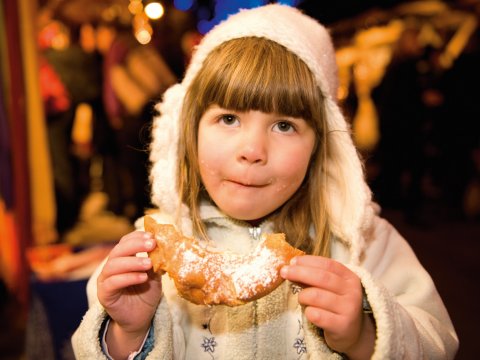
x,y
87,38
60,42
143,36
154,10
135,7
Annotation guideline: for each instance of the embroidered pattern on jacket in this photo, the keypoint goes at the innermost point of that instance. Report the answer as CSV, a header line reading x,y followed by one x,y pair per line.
x,y
299,344
209,343
295,288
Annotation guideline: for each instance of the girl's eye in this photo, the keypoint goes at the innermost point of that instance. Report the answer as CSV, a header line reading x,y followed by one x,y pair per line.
x,y
229,119
284,127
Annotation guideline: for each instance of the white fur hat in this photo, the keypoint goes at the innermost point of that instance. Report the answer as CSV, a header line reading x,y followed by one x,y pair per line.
x,y
305,37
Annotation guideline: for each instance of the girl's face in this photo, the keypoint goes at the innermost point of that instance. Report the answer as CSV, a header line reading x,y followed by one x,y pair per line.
x,y
252,162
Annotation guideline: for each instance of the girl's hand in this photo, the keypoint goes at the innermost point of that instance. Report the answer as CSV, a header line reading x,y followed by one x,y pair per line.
x,y
127,288
332,297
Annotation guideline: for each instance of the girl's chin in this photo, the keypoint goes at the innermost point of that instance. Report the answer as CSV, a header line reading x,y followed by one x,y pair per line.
x,y
252,216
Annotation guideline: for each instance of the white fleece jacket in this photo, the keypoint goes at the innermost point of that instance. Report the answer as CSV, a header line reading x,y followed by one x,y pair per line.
x,y
411,320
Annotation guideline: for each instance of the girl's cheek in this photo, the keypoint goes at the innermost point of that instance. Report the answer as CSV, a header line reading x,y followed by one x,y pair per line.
x,y
206,168
282,187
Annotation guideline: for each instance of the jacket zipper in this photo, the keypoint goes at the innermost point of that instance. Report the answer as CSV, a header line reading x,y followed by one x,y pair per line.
x,y
255,234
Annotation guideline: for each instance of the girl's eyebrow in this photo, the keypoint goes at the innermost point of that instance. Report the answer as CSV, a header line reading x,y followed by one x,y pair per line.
x,y
292,118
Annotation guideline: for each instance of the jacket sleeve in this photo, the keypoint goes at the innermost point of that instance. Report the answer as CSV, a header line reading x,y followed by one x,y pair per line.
x,y
86,341
411,319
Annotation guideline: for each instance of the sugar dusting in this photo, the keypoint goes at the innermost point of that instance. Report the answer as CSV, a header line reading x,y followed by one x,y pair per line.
x,y
192,263
249,274
257,271
223,277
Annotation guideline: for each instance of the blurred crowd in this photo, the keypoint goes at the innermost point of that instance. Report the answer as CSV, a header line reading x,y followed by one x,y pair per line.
x,y
410,87
99,86
430,129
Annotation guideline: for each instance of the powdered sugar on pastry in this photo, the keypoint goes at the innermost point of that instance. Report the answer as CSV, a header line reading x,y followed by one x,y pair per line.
x,y
258,270
208,276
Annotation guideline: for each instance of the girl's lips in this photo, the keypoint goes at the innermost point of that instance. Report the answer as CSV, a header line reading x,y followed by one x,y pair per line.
x,y
239,183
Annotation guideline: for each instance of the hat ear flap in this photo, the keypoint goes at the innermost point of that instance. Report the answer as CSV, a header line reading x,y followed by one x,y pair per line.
x,y
164,150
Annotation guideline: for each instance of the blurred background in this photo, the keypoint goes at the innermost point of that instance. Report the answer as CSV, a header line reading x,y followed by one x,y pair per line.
x,y
78,83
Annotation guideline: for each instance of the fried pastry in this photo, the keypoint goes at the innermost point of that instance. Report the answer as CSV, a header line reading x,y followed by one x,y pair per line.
x,y
207,276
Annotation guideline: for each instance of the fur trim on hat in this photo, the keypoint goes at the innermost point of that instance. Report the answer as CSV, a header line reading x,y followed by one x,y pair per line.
x,y
348,207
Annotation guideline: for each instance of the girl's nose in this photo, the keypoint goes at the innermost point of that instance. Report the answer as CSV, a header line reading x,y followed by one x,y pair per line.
x,y
253,148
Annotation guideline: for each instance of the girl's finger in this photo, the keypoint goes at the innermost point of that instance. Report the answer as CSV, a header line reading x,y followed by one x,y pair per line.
x,y
319,298
138,241
115,283
133,235
321,318
311,276
120,265
322,263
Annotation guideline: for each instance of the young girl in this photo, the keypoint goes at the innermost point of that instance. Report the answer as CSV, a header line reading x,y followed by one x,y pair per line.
x,y
252,141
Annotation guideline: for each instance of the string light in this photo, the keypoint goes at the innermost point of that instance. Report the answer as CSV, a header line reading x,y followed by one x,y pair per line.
x,y
143,36
154,10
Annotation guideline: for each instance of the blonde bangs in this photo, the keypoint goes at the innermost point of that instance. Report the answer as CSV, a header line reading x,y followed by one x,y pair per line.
x,y
258,74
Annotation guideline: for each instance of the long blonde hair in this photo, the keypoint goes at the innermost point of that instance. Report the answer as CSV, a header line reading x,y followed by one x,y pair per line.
x,y
253,73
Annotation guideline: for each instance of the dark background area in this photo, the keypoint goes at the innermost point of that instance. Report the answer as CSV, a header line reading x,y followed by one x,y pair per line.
x,y
329,12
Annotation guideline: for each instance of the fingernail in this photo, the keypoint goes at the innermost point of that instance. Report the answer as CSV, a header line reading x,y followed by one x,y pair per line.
x,y
147,261
284,271
147,235
149,244
293,261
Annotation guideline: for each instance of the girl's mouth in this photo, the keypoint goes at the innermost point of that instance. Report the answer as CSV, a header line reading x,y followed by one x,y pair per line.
x,y
246,184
